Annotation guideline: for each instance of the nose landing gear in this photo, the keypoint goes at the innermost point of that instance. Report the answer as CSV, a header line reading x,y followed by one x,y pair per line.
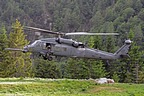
x,y
47,56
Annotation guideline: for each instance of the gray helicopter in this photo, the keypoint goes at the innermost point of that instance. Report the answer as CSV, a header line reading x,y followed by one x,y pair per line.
x,y
49,47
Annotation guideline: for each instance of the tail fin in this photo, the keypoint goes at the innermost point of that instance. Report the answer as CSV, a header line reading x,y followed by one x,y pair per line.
x,y
123,51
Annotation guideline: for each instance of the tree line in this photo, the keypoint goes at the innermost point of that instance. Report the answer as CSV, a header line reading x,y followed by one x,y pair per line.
x,y
122,16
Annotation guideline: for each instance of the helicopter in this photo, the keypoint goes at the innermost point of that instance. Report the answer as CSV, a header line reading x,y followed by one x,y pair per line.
x,y
58,46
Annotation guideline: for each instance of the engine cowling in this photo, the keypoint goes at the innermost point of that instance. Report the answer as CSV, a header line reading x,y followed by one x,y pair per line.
x,y
69,42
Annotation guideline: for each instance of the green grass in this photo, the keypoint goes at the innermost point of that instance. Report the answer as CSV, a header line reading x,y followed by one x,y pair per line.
x,y
65,87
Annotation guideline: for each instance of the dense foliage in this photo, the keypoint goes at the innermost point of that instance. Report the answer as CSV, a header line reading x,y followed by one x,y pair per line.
x,y
123,16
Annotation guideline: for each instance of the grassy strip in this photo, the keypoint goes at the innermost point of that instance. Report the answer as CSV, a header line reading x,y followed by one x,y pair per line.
x,y
64,87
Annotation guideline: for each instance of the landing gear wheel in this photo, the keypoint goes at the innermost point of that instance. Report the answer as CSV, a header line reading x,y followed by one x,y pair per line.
x,y
50,58
44,58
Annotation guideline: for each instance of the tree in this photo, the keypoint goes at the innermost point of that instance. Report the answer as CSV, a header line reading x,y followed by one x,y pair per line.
x,y
76,69
127,13
119,6
46,69
109,41
20,64
71,20
96,69
138,35
137,5
3,54
3,41
115,77
134,63
96,21
141,14
84,69
110,14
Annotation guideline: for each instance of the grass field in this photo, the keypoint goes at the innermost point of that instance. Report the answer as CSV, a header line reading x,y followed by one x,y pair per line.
x,y
65,87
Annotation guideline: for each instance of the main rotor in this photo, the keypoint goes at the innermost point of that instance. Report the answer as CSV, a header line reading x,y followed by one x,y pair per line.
x,y
59,34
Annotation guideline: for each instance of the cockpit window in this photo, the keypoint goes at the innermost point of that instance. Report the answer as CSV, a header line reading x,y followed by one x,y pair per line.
x,y
35,43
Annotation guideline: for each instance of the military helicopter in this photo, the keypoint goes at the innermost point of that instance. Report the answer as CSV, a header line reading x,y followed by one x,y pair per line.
x,y
58,46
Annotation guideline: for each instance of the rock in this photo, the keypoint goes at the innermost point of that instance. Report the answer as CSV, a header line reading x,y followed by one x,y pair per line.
x,y
104,81
110,81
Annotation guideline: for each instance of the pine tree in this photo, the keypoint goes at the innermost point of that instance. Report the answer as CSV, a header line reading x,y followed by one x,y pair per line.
x,y
135,62
3,42
96,21
20,64
96,69
115,77
84,69
76,69
138,35
3,54
46,69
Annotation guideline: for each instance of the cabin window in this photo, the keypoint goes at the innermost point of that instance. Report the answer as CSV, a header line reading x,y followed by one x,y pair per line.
x,y
48,46
44,46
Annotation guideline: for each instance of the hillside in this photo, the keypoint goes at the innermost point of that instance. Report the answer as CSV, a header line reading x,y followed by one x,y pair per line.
x,y
72,15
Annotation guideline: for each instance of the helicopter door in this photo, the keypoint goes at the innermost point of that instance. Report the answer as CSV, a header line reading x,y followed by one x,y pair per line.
x,y
48,46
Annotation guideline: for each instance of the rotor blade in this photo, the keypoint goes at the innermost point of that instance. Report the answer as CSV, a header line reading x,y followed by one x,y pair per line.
x,y
13,49
43,30
85,33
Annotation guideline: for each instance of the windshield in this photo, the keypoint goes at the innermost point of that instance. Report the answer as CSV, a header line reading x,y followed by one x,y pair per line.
x,y
35,43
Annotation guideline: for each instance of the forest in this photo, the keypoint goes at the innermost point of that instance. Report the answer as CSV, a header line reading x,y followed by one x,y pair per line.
x,y
125,17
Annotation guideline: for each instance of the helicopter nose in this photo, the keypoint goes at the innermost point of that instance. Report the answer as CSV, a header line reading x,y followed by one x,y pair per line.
x,y
26,49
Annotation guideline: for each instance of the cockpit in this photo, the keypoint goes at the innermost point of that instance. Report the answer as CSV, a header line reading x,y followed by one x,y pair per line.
x,y
37,42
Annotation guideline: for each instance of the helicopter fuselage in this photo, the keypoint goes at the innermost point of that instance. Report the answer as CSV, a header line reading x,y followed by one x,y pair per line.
x,y
68,48
80,52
